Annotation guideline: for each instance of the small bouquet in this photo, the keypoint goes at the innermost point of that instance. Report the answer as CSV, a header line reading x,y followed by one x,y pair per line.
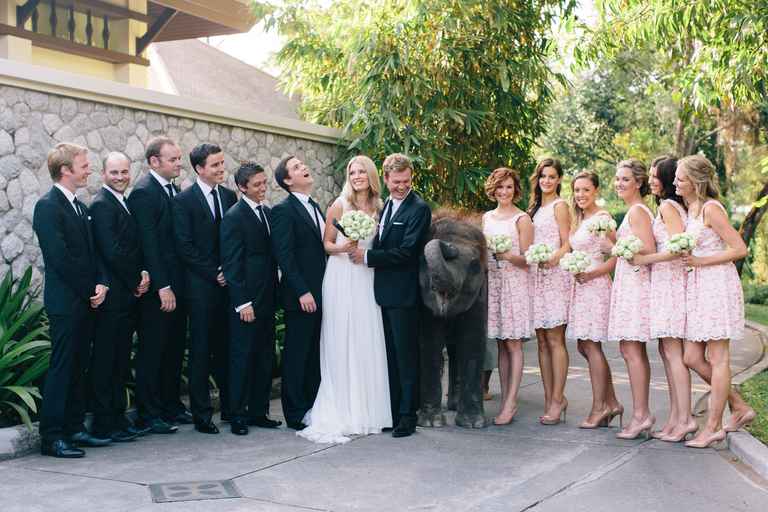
x,y
682,243
601,225
498,244
575,262
538,253
627,247
356,225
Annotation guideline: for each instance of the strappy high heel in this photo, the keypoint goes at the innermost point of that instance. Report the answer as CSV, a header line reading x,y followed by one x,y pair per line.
x,y
644,427
511,418
599,422
549,420
618,411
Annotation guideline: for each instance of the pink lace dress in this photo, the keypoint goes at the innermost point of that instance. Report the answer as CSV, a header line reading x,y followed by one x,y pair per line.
x,y
509,298
591,301
667,285
714,299
630,318
551,286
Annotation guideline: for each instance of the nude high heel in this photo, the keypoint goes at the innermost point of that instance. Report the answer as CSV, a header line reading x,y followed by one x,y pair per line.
x,y
644,427
548,420
691,429
601,421
744,421
706,442
618,411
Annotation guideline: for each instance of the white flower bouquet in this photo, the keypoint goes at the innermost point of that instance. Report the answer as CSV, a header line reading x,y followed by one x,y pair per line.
x,y
601,225
575,262
356,225
681,243
538,253
627,247
498,244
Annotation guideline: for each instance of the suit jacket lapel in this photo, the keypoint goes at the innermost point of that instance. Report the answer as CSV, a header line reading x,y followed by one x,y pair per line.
x,y
253,218
204,200
398,214
299,207
115,201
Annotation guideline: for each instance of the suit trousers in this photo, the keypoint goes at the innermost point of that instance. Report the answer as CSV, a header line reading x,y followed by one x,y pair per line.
x,y
64,391
401,335
208,354
251,356
110,367
160,357
301,363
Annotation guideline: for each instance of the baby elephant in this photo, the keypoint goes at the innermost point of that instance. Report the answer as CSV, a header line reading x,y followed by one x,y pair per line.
x,y
452,278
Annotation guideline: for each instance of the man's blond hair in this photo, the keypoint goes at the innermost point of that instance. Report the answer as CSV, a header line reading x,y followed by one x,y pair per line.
x,y
63,154
396,162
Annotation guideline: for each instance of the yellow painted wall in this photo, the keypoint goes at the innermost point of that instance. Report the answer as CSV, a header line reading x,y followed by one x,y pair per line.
x,y
72,63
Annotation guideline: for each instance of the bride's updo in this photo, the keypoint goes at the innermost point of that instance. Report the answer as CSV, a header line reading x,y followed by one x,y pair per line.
x,y
374,187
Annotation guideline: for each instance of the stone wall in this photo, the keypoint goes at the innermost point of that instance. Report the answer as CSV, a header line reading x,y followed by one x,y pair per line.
x,y
32,122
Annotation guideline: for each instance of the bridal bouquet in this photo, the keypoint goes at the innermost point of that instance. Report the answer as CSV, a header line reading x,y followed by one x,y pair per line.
x,y
682,243
575,262
601,225
627,247
538,253
498,244
357,225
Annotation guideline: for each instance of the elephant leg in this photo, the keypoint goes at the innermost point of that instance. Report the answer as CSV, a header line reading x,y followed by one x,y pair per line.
x,y
453,377
431,359
470,350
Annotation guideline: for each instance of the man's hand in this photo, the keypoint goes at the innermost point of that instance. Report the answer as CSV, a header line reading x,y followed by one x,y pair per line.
x,y
143,285
220,278
358,256
167,300
100,294
307,302
247,314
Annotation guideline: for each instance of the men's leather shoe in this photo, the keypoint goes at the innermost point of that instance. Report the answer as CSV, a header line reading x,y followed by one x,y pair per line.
x,y
122,436
61,449
387,429
264,422
405,428
225,416
296,425
159,426
238,427
87,439
183,418
207,428
139,431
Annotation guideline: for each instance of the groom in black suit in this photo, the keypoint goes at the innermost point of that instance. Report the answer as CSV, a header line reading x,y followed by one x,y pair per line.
x,y
298,226
395,258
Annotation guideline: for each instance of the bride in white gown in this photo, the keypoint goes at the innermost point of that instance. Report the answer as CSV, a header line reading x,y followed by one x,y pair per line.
x,y
354,388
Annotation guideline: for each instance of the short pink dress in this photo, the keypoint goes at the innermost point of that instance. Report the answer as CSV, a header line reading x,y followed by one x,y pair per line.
x,y
591,301
667,284
509,297
551,286
630,318
714,299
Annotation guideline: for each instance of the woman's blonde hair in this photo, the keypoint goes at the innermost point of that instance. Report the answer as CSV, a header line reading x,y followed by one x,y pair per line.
x,y
374,186
703,176
578,212
639,172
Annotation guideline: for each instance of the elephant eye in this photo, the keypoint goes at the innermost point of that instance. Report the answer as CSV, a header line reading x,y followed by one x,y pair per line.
x,y
474,267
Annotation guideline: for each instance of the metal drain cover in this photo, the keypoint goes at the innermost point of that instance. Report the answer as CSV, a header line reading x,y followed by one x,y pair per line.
x,y
193,491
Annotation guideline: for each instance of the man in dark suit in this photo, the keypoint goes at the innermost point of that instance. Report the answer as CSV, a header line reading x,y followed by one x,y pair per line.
x,y
162,317
116,237
75,286
197,214
251,274
395,257
298,226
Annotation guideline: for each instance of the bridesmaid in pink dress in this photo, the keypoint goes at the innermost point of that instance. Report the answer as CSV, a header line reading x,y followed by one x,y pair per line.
x,y
509,307
714,300
551,286
630,322
591,301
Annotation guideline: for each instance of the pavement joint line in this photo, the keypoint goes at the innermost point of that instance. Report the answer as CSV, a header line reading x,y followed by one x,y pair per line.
x,y
284,504
64,473
291,459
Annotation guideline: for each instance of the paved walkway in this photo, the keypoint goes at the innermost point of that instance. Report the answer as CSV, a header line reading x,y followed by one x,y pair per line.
x,y
522,466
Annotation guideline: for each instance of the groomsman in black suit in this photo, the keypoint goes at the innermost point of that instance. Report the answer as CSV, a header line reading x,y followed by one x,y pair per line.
x,y
162,318
297,241
197,214
75,286
116,237
251,274
395,257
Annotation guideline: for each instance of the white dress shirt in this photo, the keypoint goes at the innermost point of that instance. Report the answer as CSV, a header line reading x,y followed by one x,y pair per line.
x,y
254,205
304,198
120,197
394,204
209,197
69,195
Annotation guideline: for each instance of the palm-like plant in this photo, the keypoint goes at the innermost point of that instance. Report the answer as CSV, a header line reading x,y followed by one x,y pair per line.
x,y
25,349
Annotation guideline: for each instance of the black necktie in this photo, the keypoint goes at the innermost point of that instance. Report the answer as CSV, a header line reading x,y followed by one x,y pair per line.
x,y
216,207
262,217
315,208
80,208
171,191
388,216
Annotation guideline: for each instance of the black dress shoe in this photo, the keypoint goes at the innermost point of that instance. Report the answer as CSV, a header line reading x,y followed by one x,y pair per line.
x,y
264,422
159,426
387,429
296,425
86,439
225,416
183,418
139,431
207,428
61,449
238,427
122,436
405,428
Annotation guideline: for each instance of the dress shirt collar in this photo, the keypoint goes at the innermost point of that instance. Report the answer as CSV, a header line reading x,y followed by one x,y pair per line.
x,y
252,204
162,181
304,198
67,193
120,197
206,188
397,202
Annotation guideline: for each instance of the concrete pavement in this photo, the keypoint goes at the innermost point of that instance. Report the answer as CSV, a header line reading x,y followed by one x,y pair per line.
x,y
519,467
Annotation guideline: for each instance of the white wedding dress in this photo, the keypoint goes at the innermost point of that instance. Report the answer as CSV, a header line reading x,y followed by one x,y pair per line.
x,y
354,385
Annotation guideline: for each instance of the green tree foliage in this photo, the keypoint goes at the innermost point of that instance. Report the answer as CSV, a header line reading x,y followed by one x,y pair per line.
x,y
460,85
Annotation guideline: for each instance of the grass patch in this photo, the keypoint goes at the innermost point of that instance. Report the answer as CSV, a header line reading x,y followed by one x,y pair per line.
x,y
755,392
757,313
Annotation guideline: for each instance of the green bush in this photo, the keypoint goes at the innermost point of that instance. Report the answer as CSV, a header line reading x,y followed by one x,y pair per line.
x,y
25,350
755,293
